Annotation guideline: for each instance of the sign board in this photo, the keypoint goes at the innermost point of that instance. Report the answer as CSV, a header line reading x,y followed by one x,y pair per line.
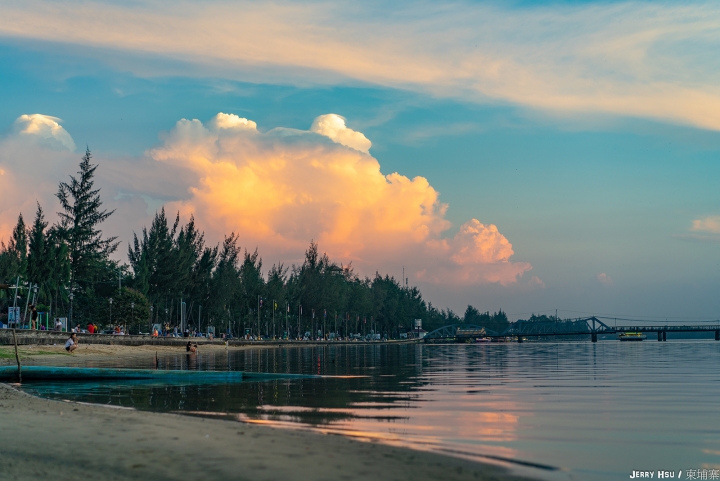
x,y
13,315
418,323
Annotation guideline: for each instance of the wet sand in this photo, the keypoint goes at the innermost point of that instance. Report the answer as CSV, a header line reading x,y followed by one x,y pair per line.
x,y
42,439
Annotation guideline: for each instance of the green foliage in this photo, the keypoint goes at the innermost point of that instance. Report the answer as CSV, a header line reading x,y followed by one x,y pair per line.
x,y
131,309
80,218
498,321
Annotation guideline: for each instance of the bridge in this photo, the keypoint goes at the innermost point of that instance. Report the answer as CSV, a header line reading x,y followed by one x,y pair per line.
x,y
588,326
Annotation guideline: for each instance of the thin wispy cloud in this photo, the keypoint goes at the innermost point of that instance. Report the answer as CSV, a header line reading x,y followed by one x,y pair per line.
x,y
649,60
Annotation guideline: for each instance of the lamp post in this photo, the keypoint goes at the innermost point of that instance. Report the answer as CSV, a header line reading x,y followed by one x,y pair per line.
x,y
71,296
110,301
132,310
32,323
152,308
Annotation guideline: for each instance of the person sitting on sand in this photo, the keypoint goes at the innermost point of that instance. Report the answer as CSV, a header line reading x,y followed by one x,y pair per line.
x,y
72,343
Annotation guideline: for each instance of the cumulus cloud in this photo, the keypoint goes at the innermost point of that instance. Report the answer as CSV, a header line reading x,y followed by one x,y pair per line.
x,y
281,188
44,130
333,126
604,279
37,153
34,155
709,224
643,59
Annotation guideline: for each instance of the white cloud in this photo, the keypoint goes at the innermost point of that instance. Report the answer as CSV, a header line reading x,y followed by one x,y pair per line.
x,y
44,130
604,279
36,155
536,282
333,126
232,121
645,59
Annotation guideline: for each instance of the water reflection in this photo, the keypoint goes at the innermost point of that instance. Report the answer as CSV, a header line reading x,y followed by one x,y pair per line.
x,y
599,410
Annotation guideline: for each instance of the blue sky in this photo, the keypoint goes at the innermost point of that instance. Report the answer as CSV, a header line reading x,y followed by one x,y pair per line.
x,y
599,163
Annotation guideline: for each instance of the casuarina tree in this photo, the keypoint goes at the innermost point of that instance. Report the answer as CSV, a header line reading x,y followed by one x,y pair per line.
x,y
80,219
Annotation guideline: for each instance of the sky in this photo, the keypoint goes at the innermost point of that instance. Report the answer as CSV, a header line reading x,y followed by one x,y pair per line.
x,y
526,156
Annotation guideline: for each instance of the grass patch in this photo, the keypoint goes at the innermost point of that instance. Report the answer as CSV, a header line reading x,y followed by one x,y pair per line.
x,y
9,353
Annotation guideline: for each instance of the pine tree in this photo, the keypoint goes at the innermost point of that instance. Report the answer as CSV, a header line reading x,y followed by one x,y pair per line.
x,y
18,248
79,220
38,263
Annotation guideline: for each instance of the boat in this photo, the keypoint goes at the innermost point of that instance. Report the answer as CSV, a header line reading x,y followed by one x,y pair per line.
x,y
483,339
631,336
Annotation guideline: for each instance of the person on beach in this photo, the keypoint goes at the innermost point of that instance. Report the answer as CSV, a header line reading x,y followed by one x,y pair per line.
x,y
190,347
33,317
72,343
91,328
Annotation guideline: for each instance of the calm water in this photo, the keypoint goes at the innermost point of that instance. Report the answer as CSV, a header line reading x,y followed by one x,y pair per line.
x,y
595,411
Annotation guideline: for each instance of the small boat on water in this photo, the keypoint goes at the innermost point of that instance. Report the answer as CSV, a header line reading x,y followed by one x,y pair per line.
x,y
631,336
483,339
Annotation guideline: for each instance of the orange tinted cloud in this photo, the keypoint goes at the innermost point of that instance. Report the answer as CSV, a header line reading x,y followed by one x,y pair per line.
x,y
281,188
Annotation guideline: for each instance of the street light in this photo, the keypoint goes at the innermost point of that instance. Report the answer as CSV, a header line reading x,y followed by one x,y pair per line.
x,y
71,304
110,301
132,309
152,308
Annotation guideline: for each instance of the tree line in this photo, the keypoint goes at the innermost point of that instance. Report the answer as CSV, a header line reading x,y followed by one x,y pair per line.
x,y
172,273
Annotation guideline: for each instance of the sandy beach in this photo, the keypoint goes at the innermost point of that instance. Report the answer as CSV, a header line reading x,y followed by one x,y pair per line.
x,y
43,439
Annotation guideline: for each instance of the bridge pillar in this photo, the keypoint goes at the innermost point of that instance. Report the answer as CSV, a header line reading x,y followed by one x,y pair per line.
x,y
659,336
594,337
520,339
717,335
664,336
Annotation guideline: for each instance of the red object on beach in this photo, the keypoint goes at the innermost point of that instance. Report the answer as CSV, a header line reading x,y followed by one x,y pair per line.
x,y
91,329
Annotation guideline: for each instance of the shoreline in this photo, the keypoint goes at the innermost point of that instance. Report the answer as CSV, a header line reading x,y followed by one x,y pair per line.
x,y
66,440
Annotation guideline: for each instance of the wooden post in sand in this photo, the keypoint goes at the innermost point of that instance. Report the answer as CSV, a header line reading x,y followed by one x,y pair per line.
x,y
17,357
